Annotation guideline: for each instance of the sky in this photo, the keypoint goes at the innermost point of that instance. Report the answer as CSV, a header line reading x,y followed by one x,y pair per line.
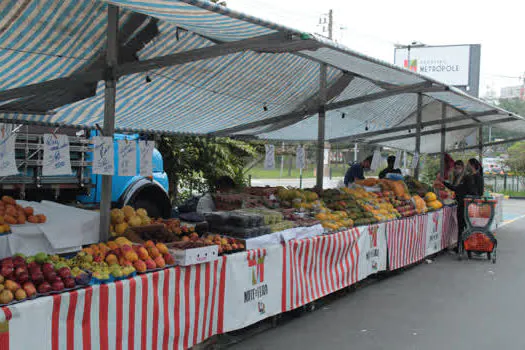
x,y
373,27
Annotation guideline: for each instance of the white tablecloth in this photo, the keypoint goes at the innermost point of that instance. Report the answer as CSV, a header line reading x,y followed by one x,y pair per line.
x,y
66,230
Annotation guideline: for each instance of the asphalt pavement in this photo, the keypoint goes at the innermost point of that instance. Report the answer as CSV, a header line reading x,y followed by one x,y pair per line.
x,y
447,304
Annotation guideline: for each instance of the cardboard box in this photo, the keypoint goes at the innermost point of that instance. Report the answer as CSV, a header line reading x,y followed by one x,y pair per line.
x,y
193,256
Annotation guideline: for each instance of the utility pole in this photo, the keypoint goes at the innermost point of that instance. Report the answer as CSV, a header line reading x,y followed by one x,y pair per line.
x,y
327,27
330,24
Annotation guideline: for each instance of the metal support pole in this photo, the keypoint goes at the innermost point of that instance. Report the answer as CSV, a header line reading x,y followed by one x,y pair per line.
x,y
321,127
480,137
418,132
443,139
109,115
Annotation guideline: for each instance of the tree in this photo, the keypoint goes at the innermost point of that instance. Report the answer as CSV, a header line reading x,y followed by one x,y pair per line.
x,y
194,163
516,160
514,106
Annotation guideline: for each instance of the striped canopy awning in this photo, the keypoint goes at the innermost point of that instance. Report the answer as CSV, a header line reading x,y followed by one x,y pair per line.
x,y
190,66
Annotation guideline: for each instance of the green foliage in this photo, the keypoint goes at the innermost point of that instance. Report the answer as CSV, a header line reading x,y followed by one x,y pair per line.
x,y
194,163
516,160
514,106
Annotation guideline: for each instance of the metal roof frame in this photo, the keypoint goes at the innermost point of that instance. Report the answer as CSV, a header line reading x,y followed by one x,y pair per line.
x,y
437,131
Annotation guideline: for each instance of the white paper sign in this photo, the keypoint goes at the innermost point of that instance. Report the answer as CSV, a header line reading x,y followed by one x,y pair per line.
x,y
300,158
146,157
7,151
269,160
56,155
397,163
103,156
415,161
127,158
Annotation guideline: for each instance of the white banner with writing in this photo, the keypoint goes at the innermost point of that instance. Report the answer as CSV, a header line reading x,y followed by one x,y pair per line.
x,y
146,157
103,156
56,155
254,288
300,158
434,232
269,159
7,151
127,158
372,250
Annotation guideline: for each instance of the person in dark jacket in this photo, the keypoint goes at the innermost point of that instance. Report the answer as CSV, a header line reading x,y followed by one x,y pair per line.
x,y
472,184
357,171
391,160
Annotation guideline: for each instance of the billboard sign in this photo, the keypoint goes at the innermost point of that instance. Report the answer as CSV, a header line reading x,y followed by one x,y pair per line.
x,y
448,64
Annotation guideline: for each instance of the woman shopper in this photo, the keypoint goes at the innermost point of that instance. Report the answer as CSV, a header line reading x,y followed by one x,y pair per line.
x,y
471,184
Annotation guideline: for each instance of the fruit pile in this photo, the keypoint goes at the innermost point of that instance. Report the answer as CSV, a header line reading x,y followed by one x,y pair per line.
x,y
335,220
121,258
22,278
12,213
432,202
405,208
298,199
299,219
226,244
174,226
126,217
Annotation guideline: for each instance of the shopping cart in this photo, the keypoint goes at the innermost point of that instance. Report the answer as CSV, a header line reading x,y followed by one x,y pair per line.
x,y
478,237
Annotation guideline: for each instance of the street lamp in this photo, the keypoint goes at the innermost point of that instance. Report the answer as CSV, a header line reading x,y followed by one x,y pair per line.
x,y
413,44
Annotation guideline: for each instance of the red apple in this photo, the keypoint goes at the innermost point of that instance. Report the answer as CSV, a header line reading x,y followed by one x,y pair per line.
x,y
126,248
57,286
98,259
19,261
6,271
23,278
8,262
44,288
48,267
34,269
33,265
29,289
37,277
50,276
20,270
64,272
57,279
69,282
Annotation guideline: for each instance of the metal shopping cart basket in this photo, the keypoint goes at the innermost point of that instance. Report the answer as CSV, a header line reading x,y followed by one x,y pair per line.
x,y
478,237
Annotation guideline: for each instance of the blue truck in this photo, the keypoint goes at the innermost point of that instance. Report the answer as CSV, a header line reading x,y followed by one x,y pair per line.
x,y
83,188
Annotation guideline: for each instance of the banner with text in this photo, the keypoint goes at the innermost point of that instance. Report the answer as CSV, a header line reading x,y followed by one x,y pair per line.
x,y
254,287
372,250
434,232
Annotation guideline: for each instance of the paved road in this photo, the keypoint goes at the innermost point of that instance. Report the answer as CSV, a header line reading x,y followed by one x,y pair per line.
x,y
449,304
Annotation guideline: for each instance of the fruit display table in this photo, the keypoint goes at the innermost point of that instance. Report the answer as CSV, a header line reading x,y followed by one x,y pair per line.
x,y
179,307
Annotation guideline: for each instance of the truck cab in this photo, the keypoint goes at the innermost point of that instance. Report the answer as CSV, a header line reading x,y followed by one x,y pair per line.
x,y
83,187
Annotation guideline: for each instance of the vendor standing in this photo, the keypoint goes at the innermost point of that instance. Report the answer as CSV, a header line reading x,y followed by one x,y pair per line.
x,y
391,160
357,171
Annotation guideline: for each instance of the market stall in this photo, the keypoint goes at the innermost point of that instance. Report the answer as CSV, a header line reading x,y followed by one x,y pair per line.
x,y
181,306
170,286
